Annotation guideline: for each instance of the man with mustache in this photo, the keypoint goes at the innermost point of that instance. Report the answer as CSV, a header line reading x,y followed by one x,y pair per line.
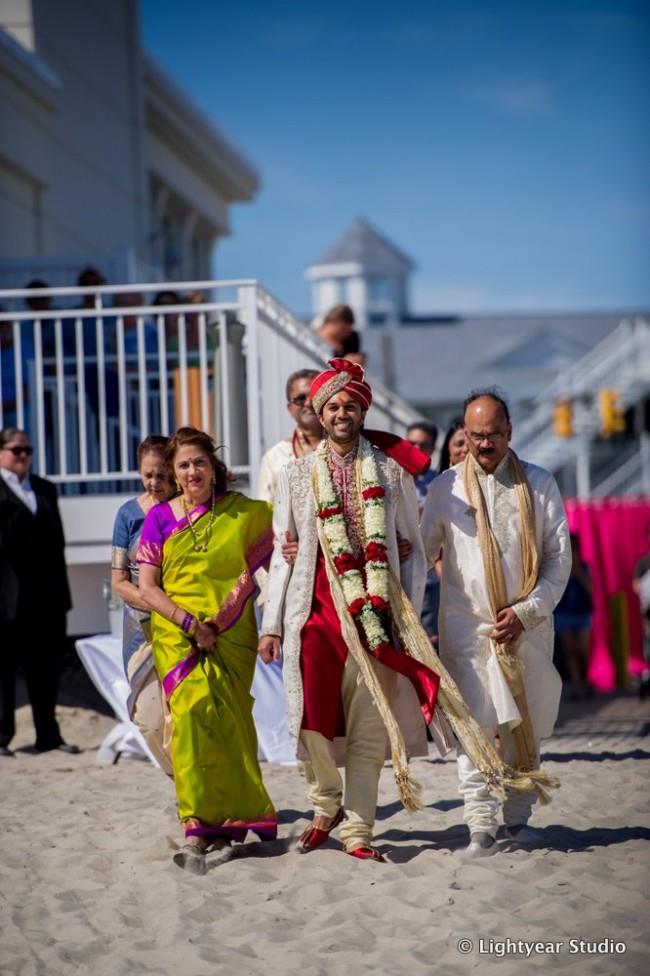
x,y
305,438
506,554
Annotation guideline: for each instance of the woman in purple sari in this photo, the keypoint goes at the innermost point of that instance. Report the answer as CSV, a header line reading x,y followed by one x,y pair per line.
x,y
198,555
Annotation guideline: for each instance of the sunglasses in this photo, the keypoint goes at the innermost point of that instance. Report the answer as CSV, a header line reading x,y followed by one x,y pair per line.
x,y
17,451
300,400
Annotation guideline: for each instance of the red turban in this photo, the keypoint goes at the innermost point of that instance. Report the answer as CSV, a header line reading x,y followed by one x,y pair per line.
x,y
342,375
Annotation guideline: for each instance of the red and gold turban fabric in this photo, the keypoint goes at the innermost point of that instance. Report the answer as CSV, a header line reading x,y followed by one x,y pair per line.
x,y
342,375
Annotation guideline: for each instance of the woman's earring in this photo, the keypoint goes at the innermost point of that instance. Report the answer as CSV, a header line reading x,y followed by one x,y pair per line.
x,y
178,487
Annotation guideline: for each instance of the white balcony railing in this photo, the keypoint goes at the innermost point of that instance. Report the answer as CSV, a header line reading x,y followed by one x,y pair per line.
x,y
90,383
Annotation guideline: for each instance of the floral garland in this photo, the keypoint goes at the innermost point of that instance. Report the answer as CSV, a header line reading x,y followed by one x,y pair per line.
x,y
365,591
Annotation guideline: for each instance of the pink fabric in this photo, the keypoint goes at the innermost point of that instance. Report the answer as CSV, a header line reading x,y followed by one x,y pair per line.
x,y
613,536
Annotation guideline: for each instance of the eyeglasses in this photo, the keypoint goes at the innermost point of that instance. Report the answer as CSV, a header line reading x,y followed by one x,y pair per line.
x,y
479,438
300,400
22,449
423,445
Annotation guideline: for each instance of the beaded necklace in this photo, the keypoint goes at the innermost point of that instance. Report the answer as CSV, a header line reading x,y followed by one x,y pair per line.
x,y
200,538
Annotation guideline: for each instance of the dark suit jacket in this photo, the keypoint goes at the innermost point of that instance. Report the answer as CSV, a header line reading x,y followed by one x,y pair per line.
x,y
33,577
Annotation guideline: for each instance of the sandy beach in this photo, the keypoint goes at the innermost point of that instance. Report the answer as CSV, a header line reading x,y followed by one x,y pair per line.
x,y
87,883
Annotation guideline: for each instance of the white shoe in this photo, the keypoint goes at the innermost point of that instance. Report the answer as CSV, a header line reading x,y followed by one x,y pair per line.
x,y
524,835
481,844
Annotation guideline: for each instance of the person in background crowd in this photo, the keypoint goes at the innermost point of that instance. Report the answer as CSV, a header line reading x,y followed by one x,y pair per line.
x,y
337,328
454,447
424,435
90,278
305,438
34,593
35,303
501,525
198,554
352,349
573,622
147,706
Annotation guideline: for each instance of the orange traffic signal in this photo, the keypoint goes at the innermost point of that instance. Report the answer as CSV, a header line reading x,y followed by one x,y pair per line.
x,y
612,415
563,418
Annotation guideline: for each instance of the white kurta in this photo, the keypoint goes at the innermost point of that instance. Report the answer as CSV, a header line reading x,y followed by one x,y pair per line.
x,y
290,589
465,619
271,465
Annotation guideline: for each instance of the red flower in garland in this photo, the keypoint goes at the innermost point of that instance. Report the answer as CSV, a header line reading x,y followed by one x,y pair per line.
x,y
376,552
345,562
326,513
379,604
384,646
375,491
357,606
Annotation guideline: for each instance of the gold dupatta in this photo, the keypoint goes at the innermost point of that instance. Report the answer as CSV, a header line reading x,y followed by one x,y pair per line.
x,y
507,654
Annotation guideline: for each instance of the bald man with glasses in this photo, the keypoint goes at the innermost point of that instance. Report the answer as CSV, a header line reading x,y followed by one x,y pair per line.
x,y
34,593
501,525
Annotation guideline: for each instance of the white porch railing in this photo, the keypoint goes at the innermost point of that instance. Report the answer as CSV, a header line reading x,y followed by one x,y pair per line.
x,y
90,383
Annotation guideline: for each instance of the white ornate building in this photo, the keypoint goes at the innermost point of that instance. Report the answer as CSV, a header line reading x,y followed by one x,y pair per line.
x,y
103,160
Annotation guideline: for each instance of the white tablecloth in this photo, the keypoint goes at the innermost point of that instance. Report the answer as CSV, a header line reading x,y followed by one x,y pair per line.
x,y
101,656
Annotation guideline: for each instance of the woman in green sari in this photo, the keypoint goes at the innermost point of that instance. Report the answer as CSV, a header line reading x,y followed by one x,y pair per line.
x,y
198,554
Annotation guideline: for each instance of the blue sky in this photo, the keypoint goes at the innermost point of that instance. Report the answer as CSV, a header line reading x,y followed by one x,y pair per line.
x,y
504,146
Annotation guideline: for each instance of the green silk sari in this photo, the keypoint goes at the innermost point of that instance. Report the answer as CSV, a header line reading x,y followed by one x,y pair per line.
x,y
214,744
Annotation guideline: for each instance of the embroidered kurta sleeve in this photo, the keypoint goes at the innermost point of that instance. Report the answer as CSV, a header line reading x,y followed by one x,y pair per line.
x,y
412,572
555,563
432,526
280,570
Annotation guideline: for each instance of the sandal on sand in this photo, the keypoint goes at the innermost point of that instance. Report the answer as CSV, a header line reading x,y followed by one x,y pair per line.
x,y
367,854
191,858
318,831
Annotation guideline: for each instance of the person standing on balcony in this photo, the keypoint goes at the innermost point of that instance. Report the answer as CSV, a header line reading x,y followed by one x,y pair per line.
x,y
344,503
146,704
33,587
501,525
337,330
198,554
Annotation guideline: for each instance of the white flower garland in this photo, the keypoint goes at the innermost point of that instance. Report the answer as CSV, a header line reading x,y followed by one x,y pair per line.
x,y
364,597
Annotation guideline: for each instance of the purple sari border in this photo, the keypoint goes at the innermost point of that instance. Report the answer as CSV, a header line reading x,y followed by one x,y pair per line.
x,y
260,551
265,830
184,523
244,589
179,672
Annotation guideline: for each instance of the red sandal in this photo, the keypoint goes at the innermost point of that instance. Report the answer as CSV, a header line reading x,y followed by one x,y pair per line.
x,y
317,833
367,854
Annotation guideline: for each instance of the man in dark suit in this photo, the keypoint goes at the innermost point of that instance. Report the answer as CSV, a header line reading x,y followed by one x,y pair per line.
x,y
34,593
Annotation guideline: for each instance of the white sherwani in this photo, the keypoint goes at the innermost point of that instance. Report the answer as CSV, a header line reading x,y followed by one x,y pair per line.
x,y
465,619
290,588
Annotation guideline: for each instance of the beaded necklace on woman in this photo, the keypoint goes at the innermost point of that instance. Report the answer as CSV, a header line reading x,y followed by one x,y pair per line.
x,y
201,537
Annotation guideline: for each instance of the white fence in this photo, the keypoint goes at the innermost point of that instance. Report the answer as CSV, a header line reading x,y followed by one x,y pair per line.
x,y
89,383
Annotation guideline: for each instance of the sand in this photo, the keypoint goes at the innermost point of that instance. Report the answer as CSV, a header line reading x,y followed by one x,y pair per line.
x,y
87,884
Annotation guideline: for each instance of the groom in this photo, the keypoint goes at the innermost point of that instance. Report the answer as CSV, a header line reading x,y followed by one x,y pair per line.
x,y
344,681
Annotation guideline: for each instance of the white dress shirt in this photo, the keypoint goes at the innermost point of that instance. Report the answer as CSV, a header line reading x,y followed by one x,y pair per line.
x,y
21,489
